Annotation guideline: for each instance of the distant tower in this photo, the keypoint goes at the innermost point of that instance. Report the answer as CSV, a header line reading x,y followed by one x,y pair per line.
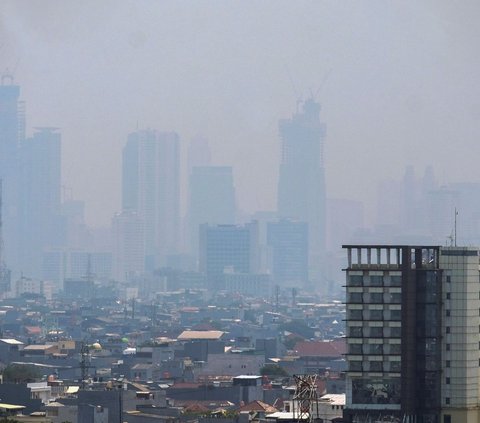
x,y
288,241
40,225
12,132
128,245
301,186
228,248
151,188
211,200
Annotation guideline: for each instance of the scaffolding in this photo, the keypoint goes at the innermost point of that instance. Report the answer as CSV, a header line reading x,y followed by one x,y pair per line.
x,y
305,398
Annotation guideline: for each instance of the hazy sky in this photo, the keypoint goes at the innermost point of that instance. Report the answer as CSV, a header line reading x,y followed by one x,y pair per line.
x,y
402,85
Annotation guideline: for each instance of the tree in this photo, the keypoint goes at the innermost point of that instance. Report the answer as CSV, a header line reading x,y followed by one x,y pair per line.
x,y
273,370
21,373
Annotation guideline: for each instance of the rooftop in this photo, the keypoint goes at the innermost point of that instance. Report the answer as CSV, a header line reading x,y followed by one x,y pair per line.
x,y
188,335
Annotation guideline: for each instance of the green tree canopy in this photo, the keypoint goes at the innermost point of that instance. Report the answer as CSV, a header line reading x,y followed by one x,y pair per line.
x,y
21,373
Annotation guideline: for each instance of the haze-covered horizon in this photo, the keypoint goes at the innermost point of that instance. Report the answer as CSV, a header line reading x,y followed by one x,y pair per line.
x,y
397,82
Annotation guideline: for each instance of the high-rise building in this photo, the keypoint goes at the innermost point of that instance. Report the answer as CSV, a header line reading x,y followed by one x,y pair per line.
x,y
212,199
151,187
128,232
12,132
288,241
412,334
301,186
40,224
227,249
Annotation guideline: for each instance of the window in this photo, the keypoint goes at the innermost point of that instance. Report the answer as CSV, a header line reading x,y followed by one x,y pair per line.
x,y
375,349
355,348
395,349
355,314
355,366
376,298
376,366
448,296
396,281
447,363
395,315
376,280
395,366
447,313
447,329
447,347
376,314
447,380
356,332
376,332
449,279
447,418
395,298
356,280
395,332
355,297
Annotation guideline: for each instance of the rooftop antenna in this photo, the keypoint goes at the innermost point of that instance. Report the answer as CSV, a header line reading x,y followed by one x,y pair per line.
x,y
455,227
450,238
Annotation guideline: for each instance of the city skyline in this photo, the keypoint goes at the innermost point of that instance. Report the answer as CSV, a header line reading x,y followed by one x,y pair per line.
x,y
398,101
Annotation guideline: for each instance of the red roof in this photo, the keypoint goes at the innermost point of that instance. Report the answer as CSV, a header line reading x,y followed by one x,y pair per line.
x,y
320,348
258,406
33,330
340,345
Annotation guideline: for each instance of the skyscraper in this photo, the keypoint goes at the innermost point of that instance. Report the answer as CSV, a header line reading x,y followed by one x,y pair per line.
x,y
228,248
412,334
40,224
128,232
151,187
288,241
301,187
12,132
212,199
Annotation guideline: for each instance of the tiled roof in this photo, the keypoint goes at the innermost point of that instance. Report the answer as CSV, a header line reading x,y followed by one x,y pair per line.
x,y
320,348
258,406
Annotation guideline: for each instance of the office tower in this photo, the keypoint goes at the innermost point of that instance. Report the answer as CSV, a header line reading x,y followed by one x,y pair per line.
x,y
151,187
263,218
301,186
128,231
227,248
412,334
212,199
12,132
288,241
40,224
